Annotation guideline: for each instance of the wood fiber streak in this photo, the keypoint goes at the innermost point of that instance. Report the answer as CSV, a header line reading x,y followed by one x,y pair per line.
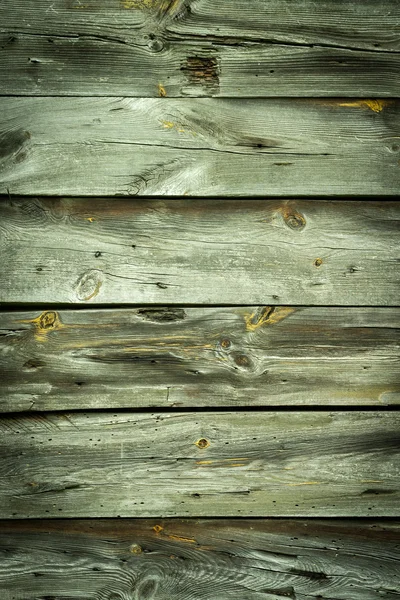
x,y
199,560
191,357
162,252
200,464
199,147
200,48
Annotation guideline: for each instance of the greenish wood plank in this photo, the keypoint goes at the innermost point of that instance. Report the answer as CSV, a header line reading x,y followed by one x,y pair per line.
x,y
200,48
259,252
200,464
199,147
199,559
192,357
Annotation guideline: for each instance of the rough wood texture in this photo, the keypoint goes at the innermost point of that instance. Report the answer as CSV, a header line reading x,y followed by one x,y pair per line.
x,y
199,560
199,147
200,48
200,464
199,252
199,357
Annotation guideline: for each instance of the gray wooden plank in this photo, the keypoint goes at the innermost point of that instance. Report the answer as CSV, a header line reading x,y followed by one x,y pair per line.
x,y
191,357
201,147
200,48
199,559
200,464
205,252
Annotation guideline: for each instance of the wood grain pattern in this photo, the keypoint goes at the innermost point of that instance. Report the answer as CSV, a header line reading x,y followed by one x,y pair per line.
x,y
200,464
199,560
200,48
201,147
205,252
168,357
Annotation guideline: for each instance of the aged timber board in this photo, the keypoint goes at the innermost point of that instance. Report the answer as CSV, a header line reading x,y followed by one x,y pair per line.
x,y
199,559
191,357
199,147
199,252
309,463
200,48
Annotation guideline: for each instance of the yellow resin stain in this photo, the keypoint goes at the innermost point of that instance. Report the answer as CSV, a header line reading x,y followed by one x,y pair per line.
x,y
129,4
169,6
177,127
305,483
185,540
90,219
44,323
223,463
371,481
376,106
200,347
158,528
268,316
162,92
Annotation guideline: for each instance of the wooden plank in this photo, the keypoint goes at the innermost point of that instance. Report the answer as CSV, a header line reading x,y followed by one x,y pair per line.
x,y
201,560
200,464
200,48
205,147
205,252
195,357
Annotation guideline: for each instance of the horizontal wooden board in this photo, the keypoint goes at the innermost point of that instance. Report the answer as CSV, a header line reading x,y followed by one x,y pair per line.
x,y
204,252
202,147
200,464
200,48
195,357
200,560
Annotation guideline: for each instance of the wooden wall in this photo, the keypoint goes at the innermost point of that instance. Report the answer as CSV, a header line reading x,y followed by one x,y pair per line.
x,y
199,284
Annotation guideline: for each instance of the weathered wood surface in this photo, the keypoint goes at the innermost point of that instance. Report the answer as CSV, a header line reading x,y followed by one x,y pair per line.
x,y
200,48
168,357
201,147
204,252
199,560
200,464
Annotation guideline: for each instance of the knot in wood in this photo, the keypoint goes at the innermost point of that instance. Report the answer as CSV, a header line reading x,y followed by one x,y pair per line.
x,y
242,360
48,320
225,343
135,549
295,221
202,443
155,44
89,284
